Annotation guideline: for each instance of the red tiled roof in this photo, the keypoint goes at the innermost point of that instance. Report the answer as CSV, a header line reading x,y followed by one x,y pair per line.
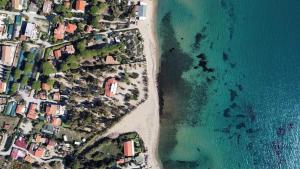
x,y
39,152
51,110
28,158
129,148
59,32
2,86
57,53
20,142
80,5
56,122
20,109
45,86
71,28
108,87
31,111
14,153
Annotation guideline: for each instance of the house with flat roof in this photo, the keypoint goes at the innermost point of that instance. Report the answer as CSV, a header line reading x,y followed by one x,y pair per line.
x,y
31,31
142,9
7,54
47,7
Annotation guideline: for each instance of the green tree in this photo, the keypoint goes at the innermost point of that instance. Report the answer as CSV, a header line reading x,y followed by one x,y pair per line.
x,y
30,57
24,80
3,4
36,85
28,67
50,82
81,46
17,74
14,88
47,68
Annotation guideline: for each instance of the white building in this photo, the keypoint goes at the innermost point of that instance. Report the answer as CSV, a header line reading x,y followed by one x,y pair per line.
x,y
142,10
31,31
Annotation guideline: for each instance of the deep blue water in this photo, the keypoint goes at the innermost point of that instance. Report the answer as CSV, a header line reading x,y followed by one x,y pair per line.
x,y
229,83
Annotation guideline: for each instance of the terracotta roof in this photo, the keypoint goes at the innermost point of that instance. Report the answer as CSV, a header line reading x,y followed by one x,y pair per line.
x,y
71,28
14,153
45,86
56,96
51,144
2,87
57,53
7,55
20,142
51,110
39,152
56,122
20,109
69,49
129,148
110,60
31,111
28,158
59,32
111,87
80,5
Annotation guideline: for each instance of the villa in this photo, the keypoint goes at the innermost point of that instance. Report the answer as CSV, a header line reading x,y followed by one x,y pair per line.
x,y
17,4
80,5
111,86
31,31
47,7
2,87
59,32
8,53
142,9
128,148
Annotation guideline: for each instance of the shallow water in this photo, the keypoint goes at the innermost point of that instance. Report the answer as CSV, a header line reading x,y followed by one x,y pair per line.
x,y
229,83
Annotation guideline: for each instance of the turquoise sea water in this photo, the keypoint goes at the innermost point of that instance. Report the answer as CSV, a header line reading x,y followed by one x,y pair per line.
x,y
229,84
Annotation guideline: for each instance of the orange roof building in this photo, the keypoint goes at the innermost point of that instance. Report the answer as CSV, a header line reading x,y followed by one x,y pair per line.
x,y
28,158
71,28
2,87
59,32
80,5
20,109
110,60
56,122
39,152
128,148
31,111
111,86
7,55
57,53
45,86
51,110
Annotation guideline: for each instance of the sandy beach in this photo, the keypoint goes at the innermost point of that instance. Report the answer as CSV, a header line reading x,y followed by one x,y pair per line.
x,y
145,119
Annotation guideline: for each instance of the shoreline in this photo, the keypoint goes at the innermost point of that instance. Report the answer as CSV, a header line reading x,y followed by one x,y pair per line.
x,y
145,118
